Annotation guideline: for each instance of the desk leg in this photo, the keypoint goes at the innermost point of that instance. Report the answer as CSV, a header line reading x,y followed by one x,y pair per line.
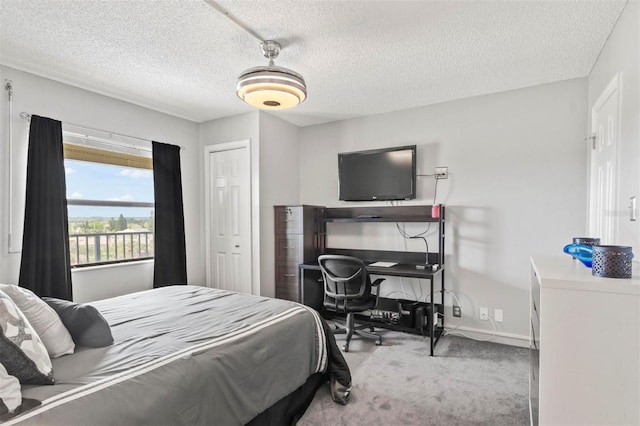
x,y
311,288
443,293
433,318
301,284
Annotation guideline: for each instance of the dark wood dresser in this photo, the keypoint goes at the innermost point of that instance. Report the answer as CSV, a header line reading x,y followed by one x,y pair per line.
x,y
299,238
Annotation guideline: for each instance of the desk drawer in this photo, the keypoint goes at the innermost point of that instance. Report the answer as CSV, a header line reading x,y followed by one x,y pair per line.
x,y
287,281
289,248
286,294
286,274
288,220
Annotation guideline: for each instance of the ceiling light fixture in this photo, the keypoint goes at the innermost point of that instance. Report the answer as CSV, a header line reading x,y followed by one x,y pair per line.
x,y
271,87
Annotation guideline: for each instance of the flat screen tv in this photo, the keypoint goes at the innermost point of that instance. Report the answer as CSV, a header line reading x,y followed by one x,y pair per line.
x,y
378,174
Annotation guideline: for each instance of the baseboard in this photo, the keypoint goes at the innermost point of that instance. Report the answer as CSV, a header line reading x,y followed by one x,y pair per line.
x,y
498,336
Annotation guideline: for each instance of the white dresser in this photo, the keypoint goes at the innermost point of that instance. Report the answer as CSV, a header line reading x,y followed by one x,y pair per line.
x,y
585,345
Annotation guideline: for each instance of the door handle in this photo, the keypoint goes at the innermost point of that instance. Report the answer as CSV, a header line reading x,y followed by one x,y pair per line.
x,y
237,246
289,275
287,247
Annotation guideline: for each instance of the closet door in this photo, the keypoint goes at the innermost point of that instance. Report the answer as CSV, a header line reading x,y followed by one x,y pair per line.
x,y
603,193
229,220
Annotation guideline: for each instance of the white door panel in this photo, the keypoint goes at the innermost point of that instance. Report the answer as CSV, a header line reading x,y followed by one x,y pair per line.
x,y
220,271
603,217
229,219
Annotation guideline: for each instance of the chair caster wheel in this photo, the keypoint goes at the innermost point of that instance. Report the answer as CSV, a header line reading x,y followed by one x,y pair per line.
x,y
378,342
371,329
345,348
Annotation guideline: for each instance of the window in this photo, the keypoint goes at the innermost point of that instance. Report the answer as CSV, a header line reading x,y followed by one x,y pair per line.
x,y
110,205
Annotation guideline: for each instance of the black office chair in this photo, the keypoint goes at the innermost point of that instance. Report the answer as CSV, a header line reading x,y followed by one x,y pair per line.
x,y
347,289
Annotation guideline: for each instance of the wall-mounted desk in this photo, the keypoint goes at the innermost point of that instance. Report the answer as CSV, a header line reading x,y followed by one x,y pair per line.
x,y
310,290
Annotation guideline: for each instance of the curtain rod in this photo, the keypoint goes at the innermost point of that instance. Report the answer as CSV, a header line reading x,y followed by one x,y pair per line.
x,y
9,88
27,116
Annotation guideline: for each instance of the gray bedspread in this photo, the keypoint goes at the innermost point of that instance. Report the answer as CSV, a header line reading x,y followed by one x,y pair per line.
x,y
184,355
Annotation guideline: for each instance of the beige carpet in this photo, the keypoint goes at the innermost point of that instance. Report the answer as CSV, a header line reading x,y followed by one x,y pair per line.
x,y
398,383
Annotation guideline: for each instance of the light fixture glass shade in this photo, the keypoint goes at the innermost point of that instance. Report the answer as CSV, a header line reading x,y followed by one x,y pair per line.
x,y
271,87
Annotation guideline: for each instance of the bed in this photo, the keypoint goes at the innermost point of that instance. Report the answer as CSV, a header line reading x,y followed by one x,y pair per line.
x,y
194,355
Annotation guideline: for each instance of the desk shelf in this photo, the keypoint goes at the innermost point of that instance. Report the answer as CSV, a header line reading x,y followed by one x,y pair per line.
x,y
362,319
381,214
379,219
379,323
389,214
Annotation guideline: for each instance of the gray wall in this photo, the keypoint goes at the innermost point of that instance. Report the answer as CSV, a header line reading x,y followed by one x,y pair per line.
x,y
516,187
70,104
279,184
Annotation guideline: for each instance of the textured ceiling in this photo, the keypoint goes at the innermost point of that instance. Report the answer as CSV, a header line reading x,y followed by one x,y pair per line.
x,y
358,57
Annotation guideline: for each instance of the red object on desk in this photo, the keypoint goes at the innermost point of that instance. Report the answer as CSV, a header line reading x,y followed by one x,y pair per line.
x,y
435,211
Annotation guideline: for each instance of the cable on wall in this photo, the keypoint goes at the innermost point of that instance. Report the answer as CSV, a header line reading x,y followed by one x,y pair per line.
x,y
421,234
459,333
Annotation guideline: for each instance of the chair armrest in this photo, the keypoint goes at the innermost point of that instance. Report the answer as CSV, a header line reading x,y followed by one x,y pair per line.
x,y
343,296
336,296
377,282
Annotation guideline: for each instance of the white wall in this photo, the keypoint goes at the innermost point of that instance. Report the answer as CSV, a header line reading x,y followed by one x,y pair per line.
x,y
279,185
621,54
114,280
516,187
69,104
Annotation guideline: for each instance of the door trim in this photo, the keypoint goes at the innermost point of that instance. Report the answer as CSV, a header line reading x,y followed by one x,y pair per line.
x,y
255,255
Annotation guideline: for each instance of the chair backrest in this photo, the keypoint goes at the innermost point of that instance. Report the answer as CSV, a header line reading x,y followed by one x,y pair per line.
x,y
346,281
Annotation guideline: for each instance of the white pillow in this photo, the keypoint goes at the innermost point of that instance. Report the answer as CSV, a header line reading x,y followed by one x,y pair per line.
x,y
44,320
21,350
10,393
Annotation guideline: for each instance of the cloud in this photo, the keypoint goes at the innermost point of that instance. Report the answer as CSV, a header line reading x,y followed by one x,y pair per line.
x,y
69,170
135,173
126,197
75,195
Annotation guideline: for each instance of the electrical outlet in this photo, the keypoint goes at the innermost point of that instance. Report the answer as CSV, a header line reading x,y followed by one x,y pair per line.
x,y
484,314
497,315
441,172
457,312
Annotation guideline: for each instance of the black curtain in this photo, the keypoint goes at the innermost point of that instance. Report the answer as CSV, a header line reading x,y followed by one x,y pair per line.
x,y
45,266
170,262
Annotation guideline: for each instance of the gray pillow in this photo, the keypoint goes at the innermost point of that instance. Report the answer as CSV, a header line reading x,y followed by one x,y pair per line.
x,y
85,323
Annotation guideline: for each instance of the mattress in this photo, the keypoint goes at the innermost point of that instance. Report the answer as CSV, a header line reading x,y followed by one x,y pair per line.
x,y
187,355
